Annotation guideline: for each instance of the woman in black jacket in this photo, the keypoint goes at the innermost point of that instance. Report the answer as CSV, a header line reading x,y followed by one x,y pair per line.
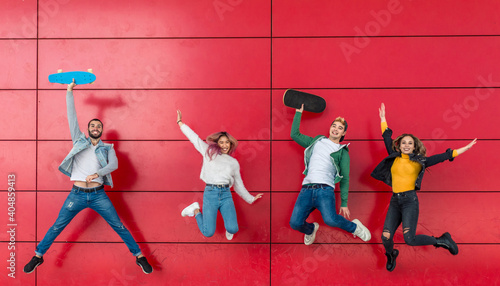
x,y
403,170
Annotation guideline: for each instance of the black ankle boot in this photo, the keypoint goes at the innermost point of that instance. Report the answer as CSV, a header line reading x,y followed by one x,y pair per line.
x,y
391,259
445,241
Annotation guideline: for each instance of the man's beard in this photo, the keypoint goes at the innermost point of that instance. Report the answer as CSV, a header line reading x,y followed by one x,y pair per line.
x,y
95,137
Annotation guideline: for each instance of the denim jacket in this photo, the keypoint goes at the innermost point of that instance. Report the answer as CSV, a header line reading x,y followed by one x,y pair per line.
x,y
105,152
340,159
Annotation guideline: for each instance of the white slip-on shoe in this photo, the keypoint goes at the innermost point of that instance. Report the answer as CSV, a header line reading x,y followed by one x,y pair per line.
x,y
189,210
309,238
361,231
229,236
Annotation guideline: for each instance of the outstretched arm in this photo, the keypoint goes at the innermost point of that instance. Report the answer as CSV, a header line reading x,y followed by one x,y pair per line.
x,y
240,189
74,128
448,155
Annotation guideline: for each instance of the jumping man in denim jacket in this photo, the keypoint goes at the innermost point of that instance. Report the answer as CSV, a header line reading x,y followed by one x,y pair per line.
x,y
327,162
89,165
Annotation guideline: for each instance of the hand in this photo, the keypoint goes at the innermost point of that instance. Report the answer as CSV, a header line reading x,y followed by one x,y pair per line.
x,y
179,117
467,147
381,112
71,85
301,108
344,211
471,144
91,177
258,196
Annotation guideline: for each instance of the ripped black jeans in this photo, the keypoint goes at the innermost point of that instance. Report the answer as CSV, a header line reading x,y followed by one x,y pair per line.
x,y
404,209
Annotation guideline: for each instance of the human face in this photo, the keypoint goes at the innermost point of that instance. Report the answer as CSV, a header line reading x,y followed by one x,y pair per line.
x,y
407,145
337,130
95,129
224,144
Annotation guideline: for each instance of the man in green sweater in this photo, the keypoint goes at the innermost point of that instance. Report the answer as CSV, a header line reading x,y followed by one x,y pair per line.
x,y
327,162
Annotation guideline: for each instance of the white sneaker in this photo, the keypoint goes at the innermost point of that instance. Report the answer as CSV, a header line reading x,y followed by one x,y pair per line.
x,y
229,236
309,238
189,210
361,231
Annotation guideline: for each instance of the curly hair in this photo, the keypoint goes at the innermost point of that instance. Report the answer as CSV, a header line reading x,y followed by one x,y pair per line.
x,y
213,147
419,146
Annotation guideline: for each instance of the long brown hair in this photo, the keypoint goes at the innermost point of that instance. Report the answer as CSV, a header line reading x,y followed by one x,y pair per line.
x,y
419,146
213,147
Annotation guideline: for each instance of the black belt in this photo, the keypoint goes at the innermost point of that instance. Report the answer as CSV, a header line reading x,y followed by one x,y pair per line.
x,y
88,190
218,185
403,194
315,186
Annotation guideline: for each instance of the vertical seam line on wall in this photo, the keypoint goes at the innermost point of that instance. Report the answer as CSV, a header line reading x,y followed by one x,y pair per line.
x,y
271,143
36,124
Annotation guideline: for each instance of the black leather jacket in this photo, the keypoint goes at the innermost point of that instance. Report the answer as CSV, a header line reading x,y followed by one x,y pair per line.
x,y
383,170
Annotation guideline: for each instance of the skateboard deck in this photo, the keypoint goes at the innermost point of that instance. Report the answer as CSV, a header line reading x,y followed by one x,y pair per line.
x,y
312,103
80,77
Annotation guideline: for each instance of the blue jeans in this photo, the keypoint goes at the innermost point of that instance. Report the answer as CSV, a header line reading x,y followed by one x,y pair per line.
x,y
321,197
404,208
76,202
217,198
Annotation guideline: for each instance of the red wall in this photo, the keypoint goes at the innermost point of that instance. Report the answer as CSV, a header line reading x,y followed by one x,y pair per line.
x,y
226,64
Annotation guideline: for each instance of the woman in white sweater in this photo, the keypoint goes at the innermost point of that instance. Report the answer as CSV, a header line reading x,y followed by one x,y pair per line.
x,y
220,171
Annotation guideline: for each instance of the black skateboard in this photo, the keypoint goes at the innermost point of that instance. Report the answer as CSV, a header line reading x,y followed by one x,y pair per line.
x,y
312,103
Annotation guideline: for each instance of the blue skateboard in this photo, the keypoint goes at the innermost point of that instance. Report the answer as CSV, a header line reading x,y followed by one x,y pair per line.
x,y
80,77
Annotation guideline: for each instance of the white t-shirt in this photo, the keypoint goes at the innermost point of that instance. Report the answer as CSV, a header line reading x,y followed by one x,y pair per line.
x,y
86,163
321,169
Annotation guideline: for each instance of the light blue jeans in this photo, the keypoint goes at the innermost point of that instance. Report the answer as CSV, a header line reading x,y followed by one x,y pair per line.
x,y
76,202
217,198
321,197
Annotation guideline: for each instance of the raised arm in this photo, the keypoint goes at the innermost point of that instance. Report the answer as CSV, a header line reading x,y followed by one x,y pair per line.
x,y
298,137
199,144
386,131
74,128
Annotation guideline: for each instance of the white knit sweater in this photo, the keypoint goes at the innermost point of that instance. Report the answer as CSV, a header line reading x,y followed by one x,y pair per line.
x,y
222,169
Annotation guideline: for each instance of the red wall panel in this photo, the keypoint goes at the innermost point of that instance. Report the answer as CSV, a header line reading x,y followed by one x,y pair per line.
x,y
139,212
21,224
18,64
151,115
172,63
22,253
384,62
449,113
384,18
439,213
19,19
142,166
18,113
459,175
344,264
153,19
24,170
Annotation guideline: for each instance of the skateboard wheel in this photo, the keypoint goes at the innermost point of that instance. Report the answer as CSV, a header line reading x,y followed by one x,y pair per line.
x,y
90,71
59,71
